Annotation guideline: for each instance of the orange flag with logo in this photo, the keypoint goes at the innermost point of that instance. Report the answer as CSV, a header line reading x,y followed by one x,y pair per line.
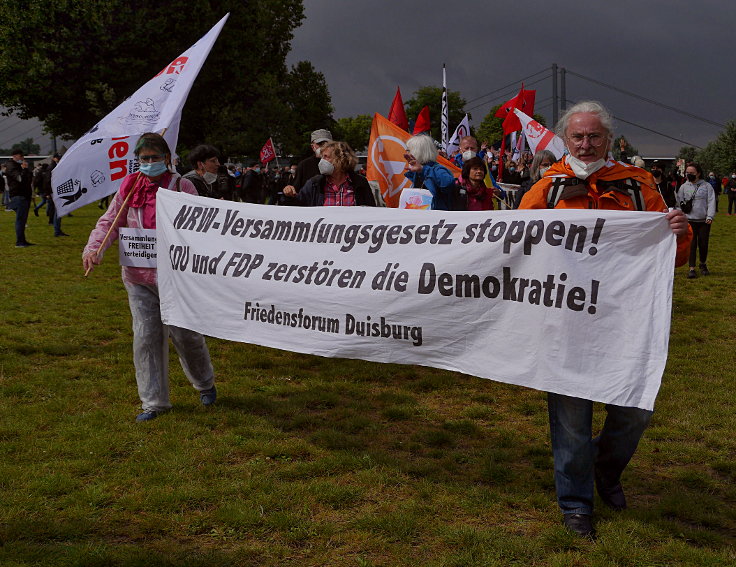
x,y
386,163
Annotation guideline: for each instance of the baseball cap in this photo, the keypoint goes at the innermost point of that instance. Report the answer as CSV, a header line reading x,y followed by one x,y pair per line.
x,y
321,136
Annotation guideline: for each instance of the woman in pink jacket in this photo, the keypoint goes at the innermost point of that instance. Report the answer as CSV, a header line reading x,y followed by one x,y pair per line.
x,y
150,334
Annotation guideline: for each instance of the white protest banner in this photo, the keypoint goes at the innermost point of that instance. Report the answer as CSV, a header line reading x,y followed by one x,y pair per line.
x,y
96,164
570,301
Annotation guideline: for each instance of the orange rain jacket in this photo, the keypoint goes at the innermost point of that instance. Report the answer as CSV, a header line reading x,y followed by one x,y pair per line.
x,y
586,194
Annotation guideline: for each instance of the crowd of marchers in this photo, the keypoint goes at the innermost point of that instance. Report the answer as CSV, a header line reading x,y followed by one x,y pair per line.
x,y
585,177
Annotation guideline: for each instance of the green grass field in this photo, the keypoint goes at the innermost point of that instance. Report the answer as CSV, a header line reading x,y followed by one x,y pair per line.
x,y
309,461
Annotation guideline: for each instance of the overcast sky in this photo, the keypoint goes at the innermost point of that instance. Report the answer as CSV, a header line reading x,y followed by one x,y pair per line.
x,y
676,52
679,53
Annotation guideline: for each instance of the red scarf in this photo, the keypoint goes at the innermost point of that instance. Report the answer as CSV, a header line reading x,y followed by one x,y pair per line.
x,y
144,190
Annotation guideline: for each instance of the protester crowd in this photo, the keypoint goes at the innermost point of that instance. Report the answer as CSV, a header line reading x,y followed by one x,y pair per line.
x,y
585,177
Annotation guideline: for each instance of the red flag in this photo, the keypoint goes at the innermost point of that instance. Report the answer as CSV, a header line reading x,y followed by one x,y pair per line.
x,y
268,152
422,124
524,101
397,114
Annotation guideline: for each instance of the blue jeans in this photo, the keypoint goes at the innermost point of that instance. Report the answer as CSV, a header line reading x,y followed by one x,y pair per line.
x,y
54,218
21,206
577,455
42,203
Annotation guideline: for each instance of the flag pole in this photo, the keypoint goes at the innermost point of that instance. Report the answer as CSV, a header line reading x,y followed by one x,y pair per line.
x,y
274,153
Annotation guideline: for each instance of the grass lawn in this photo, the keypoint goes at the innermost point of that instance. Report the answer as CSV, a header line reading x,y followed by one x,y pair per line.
x,y
309,461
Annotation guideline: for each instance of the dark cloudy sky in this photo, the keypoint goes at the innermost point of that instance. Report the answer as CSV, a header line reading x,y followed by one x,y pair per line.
x,y
678,53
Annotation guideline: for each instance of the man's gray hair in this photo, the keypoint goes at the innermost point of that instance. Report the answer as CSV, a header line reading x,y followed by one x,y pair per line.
x,y
422,148
586,106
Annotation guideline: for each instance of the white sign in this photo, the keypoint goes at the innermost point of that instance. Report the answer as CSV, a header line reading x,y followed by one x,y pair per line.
x,y
569,301
415,198
137,247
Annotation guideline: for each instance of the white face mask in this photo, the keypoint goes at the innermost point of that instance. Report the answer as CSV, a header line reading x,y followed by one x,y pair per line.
x,y
468,155
542,171
584,170
210,177
325,167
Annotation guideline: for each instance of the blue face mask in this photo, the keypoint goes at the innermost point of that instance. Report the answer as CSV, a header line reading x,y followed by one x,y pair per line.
x,y
152,169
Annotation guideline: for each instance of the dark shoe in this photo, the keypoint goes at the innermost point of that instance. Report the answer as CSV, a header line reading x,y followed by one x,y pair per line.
x,y
24,245
581,524
208,397
704,270
61,234
612,496
147,415
35,212
692,274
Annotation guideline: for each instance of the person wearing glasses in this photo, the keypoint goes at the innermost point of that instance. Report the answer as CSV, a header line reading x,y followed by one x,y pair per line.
x,y
589,178
150,334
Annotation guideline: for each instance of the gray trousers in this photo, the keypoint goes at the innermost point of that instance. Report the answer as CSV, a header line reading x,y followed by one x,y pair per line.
x,y
151,350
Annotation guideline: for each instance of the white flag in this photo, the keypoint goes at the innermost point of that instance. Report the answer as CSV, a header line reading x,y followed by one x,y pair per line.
x,y
519,146
97,163
462,130
539,137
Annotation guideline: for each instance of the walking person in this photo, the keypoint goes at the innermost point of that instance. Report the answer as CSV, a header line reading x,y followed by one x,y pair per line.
x,y
588,178
730,189
19,179
698,201
150,334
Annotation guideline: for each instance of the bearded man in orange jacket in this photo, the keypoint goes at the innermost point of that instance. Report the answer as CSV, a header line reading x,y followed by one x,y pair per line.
x,y
589,178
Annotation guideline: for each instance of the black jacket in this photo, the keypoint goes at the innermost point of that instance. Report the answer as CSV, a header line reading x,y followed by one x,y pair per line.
x,y
19,180
313,192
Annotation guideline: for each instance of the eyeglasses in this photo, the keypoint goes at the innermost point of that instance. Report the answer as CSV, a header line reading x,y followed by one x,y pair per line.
x,y
150,158
595,140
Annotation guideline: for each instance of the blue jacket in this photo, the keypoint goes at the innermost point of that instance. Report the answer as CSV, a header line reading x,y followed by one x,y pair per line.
x,y
440,182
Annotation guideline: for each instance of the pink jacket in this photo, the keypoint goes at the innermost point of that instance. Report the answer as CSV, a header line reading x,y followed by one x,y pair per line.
x,y
141,213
